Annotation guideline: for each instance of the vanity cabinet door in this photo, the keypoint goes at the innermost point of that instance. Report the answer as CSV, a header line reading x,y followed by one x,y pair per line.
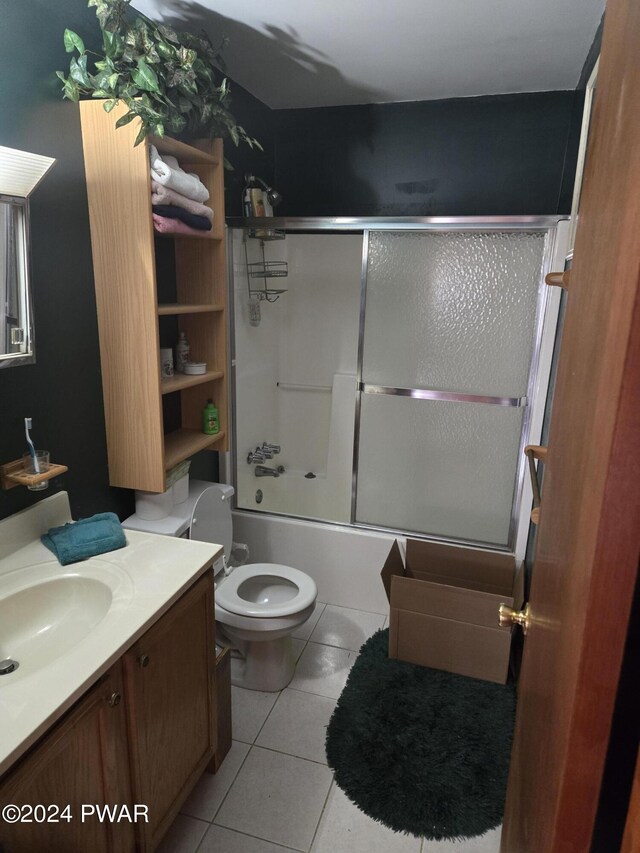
x,y
169,676
82,761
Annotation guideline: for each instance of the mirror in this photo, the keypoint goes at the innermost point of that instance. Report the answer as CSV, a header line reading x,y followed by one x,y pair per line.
x,y
20,174
16,328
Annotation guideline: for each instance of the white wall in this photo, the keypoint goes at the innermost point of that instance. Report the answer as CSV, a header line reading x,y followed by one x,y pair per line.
x,y
306,338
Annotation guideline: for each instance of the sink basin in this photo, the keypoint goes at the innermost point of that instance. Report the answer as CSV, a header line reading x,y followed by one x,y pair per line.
x,y
42,618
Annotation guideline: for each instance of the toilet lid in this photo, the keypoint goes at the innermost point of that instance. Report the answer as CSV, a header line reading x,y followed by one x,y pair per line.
x,y
211,519
267,590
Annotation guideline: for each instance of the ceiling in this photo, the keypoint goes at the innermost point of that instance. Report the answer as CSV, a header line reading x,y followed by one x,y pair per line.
x,y
312,53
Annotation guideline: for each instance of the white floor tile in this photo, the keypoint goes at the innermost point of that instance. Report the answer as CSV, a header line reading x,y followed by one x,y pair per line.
x,y
221,840
298,646
303,632
345,628
487,843
249,710
276,797
184,835
345,829
205,799
298,724
323,670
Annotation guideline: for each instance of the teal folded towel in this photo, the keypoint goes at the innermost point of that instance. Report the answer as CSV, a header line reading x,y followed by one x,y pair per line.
x,y
85,538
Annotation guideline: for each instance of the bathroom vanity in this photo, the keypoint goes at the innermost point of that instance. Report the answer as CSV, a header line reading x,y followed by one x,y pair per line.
x,y
125,714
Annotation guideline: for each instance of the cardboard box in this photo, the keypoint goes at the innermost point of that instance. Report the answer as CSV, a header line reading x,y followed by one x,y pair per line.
x,y
444,604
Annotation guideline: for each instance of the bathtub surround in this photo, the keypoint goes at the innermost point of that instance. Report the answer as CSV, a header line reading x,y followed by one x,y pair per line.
x,y
424,435
394,744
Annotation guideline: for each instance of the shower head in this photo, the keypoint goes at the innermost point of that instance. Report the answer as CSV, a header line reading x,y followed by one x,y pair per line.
x,y
273,196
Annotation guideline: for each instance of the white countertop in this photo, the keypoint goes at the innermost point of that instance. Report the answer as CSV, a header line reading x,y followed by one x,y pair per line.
x,y
146,577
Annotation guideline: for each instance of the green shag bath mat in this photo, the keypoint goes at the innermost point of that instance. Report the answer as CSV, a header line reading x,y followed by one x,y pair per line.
x,y
422,751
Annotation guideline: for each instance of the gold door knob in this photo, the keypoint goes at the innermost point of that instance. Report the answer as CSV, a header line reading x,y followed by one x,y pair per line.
x,y
509,616
114,699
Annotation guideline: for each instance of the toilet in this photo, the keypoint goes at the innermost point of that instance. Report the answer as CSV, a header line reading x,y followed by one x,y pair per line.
x,y
257,605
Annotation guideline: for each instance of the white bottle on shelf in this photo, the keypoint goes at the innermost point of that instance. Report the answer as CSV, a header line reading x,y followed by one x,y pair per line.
x,y
182,352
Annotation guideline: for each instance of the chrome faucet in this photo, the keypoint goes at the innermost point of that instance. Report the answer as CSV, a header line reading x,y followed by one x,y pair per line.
x,y
264,471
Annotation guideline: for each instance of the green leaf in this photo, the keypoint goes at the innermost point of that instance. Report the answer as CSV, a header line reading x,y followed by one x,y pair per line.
x,y
145,77
166,51
143,132
71,90
72,41
187,57
113,44
78,71
168,34
110,104
125,119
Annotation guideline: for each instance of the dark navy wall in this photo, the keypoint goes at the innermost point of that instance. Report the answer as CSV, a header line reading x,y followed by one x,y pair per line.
x,y
505,154
62,392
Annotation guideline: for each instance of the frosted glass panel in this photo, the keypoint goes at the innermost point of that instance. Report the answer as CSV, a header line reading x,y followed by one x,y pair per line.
x,y
440,468
452,311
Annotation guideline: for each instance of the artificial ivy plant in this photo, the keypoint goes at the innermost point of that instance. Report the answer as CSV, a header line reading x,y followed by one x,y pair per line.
x,y
169,80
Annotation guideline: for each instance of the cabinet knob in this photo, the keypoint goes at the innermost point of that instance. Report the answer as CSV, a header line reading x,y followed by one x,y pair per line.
x,y
144,660
114,699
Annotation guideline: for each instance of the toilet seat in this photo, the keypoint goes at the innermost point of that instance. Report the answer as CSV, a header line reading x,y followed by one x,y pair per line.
x,y
211,518
249,591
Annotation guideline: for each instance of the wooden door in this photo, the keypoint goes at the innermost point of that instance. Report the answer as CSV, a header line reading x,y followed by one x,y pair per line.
x,y
169,676
83,760
588,539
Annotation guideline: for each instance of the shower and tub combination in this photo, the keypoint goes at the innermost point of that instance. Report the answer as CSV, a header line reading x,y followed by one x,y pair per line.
x,y
386,376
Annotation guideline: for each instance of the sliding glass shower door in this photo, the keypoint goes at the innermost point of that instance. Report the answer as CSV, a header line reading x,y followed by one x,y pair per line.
x,y
447,340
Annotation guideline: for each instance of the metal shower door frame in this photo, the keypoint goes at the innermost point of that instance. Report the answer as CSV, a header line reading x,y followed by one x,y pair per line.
x,y
546,224
364,226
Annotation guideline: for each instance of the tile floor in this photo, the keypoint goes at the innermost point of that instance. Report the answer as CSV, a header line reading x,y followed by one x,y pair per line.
x,y
274,791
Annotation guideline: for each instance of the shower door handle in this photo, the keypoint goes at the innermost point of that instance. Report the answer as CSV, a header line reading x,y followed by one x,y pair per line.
x,y
443,396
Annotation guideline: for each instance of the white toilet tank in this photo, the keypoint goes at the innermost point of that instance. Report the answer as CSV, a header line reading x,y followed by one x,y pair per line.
x,y
205,516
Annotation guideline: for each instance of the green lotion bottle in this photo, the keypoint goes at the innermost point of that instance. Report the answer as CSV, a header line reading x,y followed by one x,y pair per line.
x,y
210,419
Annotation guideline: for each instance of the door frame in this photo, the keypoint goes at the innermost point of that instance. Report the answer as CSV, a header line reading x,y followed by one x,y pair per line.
x,y
586,563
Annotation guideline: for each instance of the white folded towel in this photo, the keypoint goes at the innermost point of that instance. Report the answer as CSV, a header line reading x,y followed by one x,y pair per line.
x,y
166,170
164,195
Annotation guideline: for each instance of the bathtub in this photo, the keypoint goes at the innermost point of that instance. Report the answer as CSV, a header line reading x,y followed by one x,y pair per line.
x,y
345,562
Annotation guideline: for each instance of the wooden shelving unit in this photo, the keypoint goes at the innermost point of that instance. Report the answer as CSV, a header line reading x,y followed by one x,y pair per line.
x,y
126,275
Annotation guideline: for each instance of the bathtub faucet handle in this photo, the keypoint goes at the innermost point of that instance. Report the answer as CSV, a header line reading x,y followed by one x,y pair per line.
x,y
273,449
255,456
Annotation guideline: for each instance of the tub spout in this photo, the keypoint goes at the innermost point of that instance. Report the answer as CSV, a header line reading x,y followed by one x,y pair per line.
x,y
265,471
